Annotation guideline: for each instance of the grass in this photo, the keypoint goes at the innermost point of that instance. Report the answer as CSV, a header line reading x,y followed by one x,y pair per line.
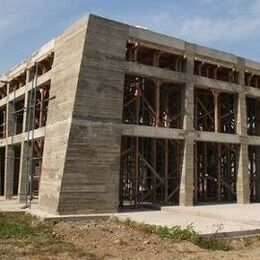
x,y
13,228
250,240
25,229
180,234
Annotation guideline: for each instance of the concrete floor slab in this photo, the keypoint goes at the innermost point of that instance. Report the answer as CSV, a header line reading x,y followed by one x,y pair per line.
x,y
232,219
201,224
240,213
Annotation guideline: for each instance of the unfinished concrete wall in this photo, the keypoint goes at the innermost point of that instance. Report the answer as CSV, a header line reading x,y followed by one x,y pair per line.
x,y
81,159
68,55
90,178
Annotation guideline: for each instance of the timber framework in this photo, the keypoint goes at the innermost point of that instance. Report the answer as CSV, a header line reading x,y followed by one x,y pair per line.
x,y
107,116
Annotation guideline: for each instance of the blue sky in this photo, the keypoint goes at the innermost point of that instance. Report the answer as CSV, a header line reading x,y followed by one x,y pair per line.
x,y
229,25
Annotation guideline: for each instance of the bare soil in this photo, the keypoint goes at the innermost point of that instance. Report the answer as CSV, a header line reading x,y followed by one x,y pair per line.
x,y
112,240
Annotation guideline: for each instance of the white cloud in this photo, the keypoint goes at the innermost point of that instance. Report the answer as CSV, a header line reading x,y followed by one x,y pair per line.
x,y
206,30
12,15
16,16
211,21
240,21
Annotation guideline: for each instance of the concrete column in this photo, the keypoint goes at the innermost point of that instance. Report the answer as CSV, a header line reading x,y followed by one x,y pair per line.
x,y
257,115
187,102
23,178
9,151
187,107
187,174
22,188
9,172
243,190
241,115
241,71
189,52
2,155
215,93
10,108
27,87
258,173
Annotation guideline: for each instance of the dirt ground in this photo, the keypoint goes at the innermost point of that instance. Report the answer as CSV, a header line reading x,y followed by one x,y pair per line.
x,y
113,240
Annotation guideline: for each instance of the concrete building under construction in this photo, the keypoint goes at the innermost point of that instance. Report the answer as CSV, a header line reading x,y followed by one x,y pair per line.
x,y
108,115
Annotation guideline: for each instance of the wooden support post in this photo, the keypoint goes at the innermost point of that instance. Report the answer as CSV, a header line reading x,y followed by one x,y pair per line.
x,y
135,52
136,176
257,186
25,113
137,108
166,122
256,84
157,102
215,93
154,162
166,163
156,58
42,92
230,76
195,172
216,72
177,64
121,182
205,181
229,171
219,171
249,80
4,124
257,151
200,67
207,71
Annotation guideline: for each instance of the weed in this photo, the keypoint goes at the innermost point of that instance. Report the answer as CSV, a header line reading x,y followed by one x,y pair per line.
x,y
179,234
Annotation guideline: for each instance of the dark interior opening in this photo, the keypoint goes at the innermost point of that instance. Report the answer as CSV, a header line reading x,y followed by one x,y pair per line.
x,y
3,122
215,172
18,116
2,171
17,154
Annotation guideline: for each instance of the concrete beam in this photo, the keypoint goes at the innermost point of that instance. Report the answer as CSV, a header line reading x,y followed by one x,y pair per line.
x,y
198,81
155,72
254,140
216,137
43,79
16,139
153,132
